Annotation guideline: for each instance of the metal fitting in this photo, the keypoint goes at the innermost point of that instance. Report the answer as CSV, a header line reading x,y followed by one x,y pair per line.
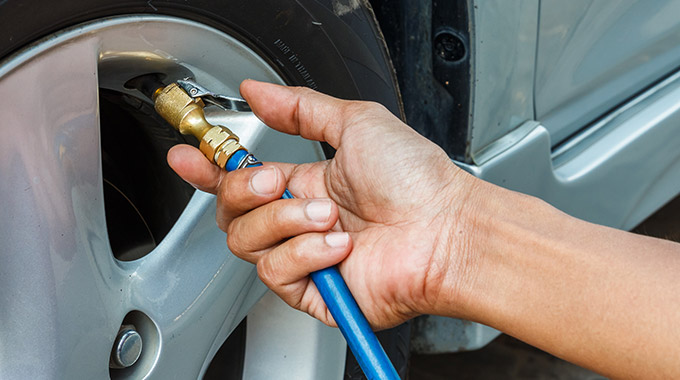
x,y
127,348
181,110
218,144
186,114
225,152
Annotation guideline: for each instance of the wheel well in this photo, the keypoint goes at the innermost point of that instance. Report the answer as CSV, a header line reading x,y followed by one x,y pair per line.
x,y
429,43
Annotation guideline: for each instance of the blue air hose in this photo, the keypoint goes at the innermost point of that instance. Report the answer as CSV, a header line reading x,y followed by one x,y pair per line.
x,y
340,302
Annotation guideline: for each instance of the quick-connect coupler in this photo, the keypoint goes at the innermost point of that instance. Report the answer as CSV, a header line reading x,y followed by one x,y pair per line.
x,y
185,114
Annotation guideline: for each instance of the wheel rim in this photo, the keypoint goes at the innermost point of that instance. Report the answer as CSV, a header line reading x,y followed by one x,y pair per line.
x,y
63,292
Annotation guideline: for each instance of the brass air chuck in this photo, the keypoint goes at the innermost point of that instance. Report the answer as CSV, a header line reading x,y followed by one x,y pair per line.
x,y
185,114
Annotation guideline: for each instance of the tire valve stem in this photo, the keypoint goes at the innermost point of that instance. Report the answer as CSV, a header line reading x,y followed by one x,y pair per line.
x,y
181,104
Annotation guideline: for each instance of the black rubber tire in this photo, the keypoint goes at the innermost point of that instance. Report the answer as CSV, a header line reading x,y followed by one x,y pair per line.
x,y
320,44
334,46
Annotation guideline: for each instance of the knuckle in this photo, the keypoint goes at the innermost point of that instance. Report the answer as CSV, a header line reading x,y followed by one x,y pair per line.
x,y
374,107
303,91
300,247
366,107
280,215
234,243
271,216
267,273
224,203
296,250
223,224
232,187
231,230
227,193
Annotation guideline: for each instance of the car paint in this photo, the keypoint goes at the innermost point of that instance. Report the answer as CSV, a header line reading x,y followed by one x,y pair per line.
x,y
577,103
565,107
593,55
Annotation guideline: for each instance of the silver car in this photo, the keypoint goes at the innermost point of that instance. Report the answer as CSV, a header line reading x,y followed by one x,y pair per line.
x,y
111,266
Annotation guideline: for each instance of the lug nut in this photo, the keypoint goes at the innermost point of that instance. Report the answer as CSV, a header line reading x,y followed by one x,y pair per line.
x,y
127,347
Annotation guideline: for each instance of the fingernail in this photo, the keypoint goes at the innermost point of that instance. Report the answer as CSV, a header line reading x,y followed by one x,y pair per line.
x,y
337,239
264,181
318,210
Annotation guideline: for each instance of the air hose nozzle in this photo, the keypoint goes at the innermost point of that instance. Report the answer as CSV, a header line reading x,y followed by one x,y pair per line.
x,y
185,114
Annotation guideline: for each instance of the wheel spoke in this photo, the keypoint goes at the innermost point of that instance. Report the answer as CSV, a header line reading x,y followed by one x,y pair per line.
x,y
190,289
55,265
63,294
191,276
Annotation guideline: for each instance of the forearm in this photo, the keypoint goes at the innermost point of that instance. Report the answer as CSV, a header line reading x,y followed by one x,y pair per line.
x,y
603,298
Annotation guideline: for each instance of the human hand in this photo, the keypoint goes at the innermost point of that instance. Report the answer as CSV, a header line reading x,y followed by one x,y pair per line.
x,y
390,198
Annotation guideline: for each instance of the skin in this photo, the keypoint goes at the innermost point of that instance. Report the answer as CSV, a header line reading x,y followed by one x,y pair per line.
x,y
412,234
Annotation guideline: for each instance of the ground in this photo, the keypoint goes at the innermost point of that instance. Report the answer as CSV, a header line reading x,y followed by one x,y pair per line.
x,y
504,358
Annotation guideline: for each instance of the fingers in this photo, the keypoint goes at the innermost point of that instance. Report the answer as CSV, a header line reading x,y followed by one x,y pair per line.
x,y
244,189
190,164
298,110
238,191
302,255
267,225
285,268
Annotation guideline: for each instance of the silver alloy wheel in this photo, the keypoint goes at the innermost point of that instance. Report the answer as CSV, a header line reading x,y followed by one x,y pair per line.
x,y
63,295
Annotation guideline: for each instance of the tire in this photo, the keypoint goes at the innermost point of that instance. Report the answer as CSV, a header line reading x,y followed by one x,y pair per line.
x,y
316,44
327,45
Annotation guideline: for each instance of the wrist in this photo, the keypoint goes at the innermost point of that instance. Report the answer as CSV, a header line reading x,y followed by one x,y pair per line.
x,y
454,262
502,237
484,241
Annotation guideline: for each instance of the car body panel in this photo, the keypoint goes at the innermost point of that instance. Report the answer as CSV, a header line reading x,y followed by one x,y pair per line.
x,y
593,55
503,59
616,177
577,103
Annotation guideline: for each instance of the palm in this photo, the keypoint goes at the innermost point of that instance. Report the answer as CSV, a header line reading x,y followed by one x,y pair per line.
x,y
392,191
391,224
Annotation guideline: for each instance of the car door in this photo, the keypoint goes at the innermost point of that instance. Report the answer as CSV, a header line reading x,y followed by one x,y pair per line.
x,y
593,55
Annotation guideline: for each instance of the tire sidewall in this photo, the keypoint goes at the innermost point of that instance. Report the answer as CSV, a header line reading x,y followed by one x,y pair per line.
x,y
310,43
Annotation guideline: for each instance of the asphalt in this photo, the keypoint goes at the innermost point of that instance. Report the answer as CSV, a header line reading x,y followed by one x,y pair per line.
x,y
504,358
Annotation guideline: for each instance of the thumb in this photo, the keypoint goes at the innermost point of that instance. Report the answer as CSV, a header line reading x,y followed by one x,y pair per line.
x,y
298,110
190,164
